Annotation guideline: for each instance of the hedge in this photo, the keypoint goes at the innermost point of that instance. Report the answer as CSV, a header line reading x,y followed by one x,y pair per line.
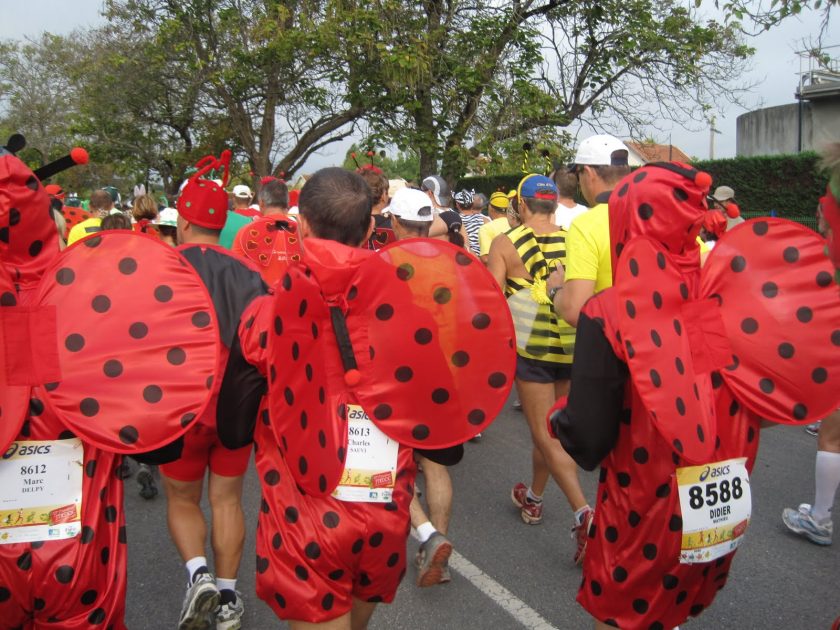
x,y
785,185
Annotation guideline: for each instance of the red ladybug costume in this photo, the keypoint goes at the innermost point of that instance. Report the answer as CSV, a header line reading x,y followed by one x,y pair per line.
x,y
418,336
708,353
107,348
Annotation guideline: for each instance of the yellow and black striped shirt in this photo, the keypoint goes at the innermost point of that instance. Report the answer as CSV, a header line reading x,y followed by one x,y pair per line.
x,y
540,333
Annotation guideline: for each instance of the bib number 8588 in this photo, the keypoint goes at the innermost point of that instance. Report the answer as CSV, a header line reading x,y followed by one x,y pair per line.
x,y
715,492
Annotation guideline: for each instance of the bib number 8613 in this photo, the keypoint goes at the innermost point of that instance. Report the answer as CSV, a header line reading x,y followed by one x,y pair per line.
x,y
715,493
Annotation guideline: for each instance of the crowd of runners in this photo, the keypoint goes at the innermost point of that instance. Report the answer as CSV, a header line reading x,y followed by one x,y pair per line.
x,y
359,332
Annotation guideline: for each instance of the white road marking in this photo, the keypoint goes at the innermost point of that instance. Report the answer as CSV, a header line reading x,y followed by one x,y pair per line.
x,y
514,606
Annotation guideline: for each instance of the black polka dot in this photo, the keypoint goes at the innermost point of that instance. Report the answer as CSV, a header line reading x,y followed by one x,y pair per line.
x,y
460,358
357,546
631,308
767,385
675,524
738,264
129,434
823,279
835,337
633,518
819,375
623,479
302,308
152,394
611,534
322,483
64,574
749,325
680,404
403,374
88,597
791,254
442,295
655,338
420,432
110,513
423,336
8,299
186,419
640,455
595,586
127,266
696,609
89,407
262,564
660,260
655,378
657,299
630,351
670,582
649,551
760,228
303,466
619,574
683,290
640,606
634,267
384,312
440,396
281,601
272,477
462,259
277,541
97,616
328,601
341,454
74,342
404,272
645,211
138,330
623,190
201,319
331,520
497,380
481,321
663,491
291,514
804,314
313,551
786,350
376,539
800,411
700,433
382,412
476,417
35,248
681,597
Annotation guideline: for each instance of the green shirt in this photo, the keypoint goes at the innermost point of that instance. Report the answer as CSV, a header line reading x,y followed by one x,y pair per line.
x,y
232,225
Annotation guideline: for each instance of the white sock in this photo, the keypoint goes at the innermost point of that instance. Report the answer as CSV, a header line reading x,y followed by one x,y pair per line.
x,y
225,584
193,565
425,531
533,498
827,478
579,514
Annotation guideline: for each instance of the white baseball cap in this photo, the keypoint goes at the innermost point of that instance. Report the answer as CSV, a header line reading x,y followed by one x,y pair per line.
x,y
242,191
167,216
602,150
410,204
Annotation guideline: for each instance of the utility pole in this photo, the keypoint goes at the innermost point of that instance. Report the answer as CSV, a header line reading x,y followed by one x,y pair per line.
x,y
712,132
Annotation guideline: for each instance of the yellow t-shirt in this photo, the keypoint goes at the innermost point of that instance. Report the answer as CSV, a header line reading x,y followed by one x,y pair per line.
x,y
588,248
80,230
489,231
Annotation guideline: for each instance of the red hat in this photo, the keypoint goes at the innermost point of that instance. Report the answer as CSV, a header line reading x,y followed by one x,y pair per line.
x,y
203,202
54,190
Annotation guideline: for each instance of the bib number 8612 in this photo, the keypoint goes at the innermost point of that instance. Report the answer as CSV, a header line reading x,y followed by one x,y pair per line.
x,y
715,493
33,469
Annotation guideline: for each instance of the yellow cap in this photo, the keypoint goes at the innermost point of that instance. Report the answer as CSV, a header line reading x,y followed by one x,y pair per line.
x,y
499,200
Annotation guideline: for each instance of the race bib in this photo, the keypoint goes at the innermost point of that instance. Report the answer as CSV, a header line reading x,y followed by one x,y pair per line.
x,y
716,507
42,491
370,470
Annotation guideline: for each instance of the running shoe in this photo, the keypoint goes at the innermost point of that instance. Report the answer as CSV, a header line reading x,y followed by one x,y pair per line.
x,y
517,405
432,559
580,534
229,616
813,429
200,602
446,575
148,489
530,511
476,438
800,521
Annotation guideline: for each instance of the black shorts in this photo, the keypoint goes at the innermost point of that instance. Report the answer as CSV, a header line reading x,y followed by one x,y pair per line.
x,y
443,456
537,371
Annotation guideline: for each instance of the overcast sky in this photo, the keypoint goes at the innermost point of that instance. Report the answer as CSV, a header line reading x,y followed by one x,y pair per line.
x,y
775,65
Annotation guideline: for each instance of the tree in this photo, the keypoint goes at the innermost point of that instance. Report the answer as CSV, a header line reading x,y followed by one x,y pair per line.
x,y
405,165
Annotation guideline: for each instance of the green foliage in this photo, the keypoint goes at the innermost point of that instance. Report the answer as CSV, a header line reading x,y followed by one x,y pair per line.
x,y
790,185
405,164
490,184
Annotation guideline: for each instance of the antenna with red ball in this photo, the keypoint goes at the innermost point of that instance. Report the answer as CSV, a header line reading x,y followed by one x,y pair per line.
x,y
16,143
76,156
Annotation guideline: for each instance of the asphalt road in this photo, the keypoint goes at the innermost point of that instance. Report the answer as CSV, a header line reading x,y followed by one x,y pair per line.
x,y
508,575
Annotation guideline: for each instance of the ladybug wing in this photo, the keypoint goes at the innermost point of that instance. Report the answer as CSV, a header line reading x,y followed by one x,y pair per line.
x,y
434,341
307,394
381,237
137,339
270,244
781,311
653,306
73,216
14,328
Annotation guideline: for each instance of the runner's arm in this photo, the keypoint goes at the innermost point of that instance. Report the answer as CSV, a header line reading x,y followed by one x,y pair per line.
x,y
496,260
588,426
572,298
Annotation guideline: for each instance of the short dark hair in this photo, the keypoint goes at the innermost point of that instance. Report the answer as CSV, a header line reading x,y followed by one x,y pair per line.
x,y
116,221
421,228
273,194
100,200
566,183
378,184
336,205
540,206
611,175
199,230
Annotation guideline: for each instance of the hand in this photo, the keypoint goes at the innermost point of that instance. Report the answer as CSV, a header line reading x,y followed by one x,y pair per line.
x,y
556,279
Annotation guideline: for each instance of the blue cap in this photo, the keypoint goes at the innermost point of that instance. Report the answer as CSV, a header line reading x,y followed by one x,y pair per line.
x,y
538,187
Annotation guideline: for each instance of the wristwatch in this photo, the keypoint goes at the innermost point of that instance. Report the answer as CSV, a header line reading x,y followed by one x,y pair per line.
x,y
552,292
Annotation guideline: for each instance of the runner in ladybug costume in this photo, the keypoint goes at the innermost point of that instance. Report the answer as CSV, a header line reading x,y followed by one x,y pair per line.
x,y
91,342
677,366
366,355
